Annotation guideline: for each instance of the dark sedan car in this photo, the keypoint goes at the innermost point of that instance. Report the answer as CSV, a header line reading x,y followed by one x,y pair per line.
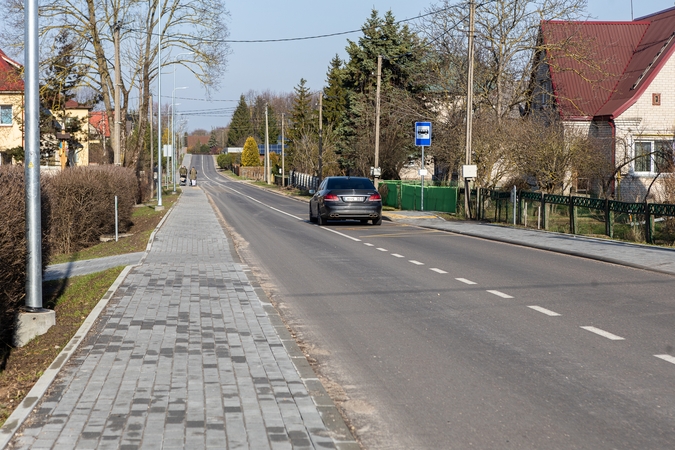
x,y
342,198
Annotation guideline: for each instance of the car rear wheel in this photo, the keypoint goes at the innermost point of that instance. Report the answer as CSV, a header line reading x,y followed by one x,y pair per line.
x,y
320,220
377,221
311,217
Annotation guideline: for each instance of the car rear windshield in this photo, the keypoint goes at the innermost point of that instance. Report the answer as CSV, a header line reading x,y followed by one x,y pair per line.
x,y
350,183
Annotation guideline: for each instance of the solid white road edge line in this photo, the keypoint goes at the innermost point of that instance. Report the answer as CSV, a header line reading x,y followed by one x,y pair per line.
x,y
500,294
603,333
548,312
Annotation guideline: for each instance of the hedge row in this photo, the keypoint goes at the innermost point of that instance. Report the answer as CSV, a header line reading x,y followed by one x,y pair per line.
x,y
77,207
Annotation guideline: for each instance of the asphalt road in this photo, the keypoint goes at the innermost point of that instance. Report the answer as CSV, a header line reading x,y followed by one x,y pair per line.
x,y
432,340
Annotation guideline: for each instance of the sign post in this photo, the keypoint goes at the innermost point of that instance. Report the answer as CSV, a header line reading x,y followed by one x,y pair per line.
x,y
422,139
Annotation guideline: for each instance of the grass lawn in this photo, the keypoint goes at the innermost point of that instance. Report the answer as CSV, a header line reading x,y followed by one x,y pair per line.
x,y
72,299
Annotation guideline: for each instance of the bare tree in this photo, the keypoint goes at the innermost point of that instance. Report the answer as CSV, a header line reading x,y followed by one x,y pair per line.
x,y
195,26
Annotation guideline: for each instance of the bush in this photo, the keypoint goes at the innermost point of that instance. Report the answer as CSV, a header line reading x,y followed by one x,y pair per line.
x,y
13,248
224,161
82,203
250,155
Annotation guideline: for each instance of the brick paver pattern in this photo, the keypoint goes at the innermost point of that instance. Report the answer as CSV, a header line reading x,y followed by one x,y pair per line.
x,y
183,357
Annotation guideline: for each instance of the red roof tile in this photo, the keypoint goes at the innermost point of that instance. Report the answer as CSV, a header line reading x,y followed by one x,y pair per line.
x,y
99,120
601,68
10,74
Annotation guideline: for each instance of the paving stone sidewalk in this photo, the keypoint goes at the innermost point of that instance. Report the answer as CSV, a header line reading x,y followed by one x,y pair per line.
x,y
188,354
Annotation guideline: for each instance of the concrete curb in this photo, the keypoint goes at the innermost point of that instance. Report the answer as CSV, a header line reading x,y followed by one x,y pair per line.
x,y
561,250
21,413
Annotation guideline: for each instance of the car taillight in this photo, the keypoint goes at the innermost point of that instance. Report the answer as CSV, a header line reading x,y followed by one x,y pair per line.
x,y
331,198
375,198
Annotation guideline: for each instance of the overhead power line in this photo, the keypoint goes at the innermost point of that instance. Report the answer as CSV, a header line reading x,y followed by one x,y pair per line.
x,y
304,38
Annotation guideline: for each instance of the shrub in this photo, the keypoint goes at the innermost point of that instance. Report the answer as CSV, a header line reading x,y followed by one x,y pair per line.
x,y
82,203
224,161
13,248
250,156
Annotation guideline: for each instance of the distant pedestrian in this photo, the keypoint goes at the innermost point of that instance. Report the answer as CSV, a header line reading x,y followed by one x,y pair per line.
x,y
193,176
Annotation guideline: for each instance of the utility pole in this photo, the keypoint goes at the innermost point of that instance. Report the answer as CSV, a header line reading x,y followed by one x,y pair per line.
x,y
320,136
32,160
376,176
283,154
267,149
469,107
118,82
152,155
159,108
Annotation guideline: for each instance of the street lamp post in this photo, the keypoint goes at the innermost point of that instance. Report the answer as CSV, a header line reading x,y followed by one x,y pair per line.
x,y
173,134
159,107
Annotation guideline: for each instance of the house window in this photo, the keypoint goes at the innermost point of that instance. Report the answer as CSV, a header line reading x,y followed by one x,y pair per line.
x,y
654,156
5,114
656,99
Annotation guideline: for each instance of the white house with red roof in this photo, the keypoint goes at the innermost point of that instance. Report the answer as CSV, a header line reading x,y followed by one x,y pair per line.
x,y
11,106
616,80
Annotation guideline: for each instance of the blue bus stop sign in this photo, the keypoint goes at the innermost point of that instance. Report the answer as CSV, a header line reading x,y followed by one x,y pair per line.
x,y
423,134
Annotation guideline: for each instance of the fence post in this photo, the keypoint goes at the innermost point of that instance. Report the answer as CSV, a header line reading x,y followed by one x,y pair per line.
x,y
479,204
573,216
544,214
520,209
649,225
609,219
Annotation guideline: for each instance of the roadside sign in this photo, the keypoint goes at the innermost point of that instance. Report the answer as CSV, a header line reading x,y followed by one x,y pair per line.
x,y
422,134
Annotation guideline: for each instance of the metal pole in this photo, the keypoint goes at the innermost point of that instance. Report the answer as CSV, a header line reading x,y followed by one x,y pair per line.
x,y
267,148
116,222
159,105
283,154
320,136
469,107
32,159
422,173
152,155
376,178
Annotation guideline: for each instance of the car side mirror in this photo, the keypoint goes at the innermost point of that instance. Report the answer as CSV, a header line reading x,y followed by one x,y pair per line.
x,y
312,192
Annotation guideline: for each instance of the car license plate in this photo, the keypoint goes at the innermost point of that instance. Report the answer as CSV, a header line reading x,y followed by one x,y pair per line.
x,y
353,199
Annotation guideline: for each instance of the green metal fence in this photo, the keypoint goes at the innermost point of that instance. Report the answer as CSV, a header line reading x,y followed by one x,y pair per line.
x,y
641,222
408,196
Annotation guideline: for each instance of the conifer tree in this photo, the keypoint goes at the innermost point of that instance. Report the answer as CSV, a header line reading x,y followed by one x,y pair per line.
x,y
250,156
335,94
240,125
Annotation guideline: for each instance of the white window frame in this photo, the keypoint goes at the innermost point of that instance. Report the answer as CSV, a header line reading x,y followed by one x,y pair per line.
x,y
652,157
11,115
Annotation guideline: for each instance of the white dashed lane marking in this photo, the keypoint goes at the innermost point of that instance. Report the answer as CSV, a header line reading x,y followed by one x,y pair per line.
x,y
438,270
465,281
500,294
382,249
603,333
417,263
368,244
397,255
548,312
670,359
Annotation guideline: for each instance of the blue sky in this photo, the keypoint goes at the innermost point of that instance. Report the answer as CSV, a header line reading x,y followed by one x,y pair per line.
x,y
278,67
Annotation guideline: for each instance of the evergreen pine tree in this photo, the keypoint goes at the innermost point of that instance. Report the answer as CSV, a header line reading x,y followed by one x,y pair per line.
x,y
335,94
240,125
213,140
250,156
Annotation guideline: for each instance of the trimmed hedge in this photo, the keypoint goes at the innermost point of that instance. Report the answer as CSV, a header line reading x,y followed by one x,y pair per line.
x,y
83,205
77,208
13,247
